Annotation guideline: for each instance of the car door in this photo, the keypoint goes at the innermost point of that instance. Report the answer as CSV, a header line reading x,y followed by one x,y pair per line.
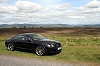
x,y
20,41
23,41
27,42
16,40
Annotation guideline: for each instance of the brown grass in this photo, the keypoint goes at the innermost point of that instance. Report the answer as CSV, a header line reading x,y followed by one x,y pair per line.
x,y
62,31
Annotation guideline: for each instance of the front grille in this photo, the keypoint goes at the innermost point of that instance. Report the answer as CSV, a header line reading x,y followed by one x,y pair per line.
x,y
58,45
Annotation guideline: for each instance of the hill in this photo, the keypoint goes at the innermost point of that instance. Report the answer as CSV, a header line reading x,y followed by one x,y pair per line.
x,y
47,26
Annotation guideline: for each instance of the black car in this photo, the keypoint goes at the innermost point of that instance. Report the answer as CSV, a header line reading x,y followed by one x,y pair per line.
x,y
32,41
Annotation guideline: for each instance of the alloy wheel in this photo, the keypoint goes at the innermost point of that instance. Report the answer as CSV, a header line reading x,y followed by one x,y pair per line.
x,y
10,47
40,51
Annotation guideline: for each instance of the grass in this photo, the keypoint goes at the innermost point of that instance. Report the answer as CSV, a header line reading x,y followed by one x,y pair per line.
x,y
74,48
85,49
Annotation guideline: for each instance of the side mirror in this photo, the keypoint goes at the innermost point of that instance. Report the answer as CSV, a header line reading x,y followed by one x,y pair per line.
x,y
29,40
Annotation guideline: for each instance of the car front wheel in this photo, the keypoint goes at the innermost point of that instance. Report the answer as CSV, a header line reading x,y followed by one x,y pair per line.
x,y
40,51
10,47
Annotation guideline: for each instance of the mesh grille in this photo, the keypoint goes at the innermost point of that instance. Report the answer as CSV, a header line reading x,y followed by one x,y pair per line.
x,y
58,45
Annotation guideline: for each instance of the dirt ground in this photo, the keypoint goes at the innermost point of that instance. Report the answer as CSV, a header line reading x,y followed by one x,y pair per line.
x,y
59,31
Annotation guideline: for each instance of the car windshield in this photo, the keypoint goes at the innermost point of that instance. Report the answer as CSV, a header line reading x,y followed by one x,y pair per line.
x,y
37,37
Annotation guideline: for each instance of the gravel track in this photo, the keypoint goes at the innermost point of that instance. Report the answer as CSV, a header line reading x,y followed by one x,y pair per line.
x,y
19,61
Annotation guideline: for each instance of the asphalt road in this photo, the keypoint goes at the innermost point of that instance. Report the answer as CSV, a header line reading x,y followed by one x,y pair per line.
x,y
18,61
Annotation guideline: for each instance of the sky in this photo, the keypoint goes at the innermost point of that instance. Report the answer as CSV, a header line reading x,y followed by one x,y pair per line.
x,y
71,12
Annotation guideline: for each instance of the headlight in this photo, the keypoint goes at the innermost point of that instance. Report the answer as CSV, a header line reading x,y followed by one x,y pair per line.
x,y
52,45
48,45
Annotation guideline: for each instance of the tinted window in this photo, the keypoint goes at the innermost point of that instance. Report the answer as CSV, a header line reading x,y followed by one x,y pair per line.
x,y
19,37
37,37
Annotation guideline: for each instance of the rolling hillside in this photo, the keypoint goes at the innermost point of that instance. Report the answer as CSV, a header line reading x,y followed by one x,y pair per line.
x,y
46,26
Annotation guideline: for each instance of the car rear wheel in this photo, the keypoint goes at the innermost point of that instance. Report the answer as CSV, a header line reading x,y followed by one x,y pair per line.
x,y
40,51
10,47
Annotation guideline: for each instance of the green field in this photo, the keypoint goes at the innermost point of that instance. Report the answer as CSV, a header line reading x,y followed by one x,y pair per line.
x,y
76,47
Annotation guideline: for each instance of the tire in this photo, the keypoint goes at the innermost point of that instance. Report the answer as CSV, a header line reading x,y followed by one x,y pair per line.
x,y
10,46
40,51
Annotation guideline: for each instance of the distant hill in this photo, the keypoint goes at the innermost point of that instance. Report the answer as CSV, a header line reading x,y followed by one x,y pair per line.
x,y
47,26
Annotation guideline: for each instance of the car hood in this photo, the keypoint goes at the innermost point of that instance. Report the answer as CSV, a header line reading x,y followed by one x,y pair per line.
x,y
48,41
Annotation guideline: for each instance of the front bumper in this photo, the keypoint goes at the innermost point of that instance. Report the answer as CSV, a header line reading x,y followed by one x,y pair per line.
x,y
53,50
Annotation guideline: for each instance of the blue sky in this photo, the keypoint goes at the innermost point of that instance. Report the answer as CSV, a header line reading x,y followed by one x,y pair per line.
x,y
50,11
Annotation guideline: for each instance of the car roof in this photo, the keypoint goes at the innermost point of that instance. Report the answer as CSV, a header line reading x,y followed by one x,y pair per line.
x,y
27,34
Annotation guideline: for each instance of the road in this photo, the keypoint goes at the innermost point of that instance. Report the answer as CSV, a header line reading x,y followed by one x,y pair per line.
x,y
19,61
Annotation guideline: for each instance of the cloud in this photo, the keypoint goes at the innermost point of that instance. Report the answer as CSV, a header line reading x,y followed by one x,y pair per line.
x,y
62,7
4,0
23,7
93,4
26,6
88,13
92,7
8,9
31,12
48,2
1,0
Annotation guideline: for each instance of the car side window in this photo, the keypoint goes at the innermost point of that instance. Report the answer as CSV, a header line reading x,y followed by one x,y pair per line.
x,y
24,38
15,37
28,38
19,37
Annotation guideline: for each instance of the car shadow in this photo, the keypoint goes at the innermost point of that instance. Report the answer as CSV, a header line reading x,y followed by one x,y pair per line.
x,y
33,52
24,50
